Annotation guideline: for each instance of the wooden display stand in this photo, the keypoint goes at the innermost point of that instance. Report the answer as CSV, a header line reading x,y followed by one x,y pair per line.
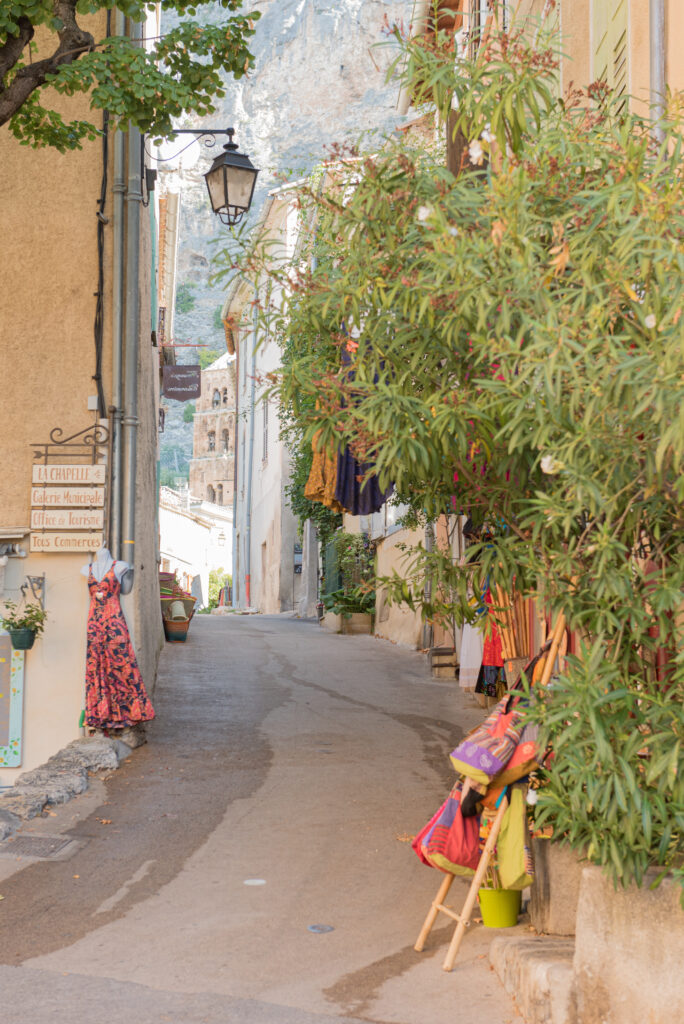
x,y
463,918
438,906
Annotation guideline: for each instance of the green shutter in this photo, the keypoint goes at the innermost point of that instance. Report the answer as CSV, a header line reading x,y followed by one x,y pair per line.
x,y
610,43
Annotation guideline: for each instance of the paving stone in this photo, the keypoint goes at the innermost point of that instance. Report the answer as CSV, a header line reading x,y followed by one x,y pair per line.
x,y
25,803
134,736
7,818
98,751
59,783
6,829
123,750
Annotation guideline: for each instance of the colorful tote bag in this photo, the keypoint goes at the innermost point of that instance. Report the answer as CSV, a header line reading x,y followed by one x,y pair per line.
x,y
513,845
486,751
450,842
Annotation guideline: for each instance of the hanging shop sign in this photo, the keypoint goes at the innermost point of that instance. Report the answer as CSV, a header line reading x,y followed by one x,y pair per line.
x,y
69,474
181,383
66,519
65,542
73,497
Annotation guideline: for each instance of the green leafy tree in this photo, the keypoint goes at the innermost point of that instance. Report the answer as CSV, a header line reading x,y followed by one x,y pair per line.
x,y
217,320
207,356
188,412
515,336
146,86
185,297
218,578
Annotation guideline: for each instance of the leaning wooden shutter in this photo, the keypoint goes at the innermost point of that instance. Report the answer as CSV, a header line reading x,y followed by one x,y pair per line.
x,y
611,53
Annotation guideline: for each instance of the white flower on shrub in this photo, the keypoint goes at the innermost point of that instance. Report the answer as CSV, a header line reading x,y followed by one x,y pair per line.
x,y
423,212
650,321
550,465
476,152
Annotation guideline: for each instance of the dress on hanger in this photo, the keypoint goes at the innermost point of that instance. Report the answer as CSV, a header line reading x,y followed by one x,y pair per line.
x,y
115,692
471,656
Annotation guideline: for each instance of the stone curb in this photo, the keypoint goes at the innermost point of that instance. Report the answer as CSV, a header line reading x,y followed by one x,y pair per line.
x,y
63,776
537,972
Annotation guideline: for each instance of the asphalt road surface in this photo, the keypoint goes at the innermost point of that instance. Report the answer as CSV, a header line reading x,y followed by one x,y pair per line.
x,y
285,773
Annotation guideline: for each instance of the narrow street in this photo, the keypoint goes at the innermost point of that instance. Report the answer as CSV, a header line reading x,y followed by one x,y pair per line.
x,y
284,774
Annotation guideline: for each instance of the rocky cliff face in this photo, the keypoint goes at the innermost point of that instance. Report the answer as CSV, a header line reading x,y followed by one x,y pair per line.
x,y
319,78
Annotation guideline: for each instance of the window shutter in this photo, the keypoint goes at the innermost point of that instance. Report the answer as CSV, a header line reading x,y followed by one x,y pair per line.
x,y
611,56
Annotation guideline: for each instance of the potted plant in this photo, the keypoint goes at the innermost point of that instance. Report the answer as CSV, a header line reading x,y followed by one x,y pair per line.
x,y
23,625
355,605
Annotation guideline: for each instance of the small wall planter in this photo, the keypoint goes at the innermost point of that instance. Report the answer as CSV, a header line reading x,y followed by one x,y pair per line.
x,y
356,623
22,639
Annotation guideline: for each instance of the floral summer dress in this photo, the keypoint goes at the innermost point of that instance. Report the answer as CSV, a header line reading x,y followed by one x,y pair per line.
x,y
115,692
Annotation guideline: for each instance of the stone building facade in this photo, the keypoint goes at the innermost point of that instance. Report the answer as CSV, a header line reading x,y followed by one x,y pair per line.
x,y
213,444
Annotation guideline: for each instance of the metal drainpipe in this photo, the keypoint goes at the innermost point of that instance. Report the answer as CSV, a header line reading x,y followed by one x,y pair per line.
x,y
248,531
428,633
119,191
656,14
131,331
236,449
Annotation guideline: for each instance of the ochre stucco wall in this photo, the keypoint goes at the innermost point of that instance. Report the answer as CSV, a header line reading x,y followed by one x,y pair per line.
x,y
48,205
396,622
47,212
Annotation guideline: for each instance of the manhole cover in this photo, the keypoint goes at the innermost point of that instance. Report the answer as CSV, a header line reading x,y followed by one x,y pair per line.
x,y
34,846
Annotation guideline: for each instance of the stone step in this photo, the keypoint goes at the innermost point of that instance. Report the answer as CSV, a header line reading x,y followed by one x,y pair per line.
x,y
537,971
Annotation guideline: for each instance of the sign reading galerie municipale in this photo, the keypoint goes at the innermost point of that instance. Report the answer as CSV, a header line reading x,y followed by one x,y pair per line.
x,y
74,497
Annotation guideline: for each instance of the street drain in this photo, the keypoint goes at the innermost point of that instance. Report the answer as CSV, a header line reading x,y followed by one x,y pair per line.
x,y
41,847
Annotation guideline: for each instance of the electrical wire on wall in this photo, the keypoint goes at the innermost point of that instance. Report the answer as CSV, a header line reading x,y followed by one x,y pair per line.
x,y
98,326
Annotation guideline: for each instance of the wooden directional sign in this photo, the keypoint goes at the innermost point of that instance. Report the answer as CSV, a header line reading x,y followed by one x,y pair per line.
x,y
63,543
69,474
66,519
74,497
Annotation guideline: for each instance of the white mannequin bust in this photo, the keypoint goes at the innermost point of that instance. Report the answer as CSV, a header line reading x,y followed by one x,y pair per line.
x,y
101,565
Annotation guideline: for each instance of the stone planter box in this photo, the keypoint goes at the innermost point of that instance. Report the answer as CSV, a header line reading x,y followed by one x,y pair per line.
x,y
357,622
629,951
556,887
332,622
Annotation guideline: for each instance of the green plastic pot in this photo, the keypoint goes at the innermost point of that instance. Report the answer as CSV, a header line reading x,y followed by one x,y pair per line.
x,y
500,907
22,639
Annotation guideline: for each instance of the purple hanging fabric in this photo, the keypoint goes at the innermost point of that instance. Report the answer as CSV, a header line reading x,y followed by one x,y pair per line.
x,y
357,498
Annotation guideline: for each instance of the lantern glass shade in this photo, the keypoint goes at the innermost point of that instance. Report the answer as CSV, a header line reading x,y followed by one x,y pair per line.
x,y
230,182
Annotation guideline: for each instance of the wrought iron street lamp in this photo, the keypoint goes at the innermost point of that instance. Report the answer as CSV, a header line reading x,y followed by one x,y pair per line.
x,y
230,179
